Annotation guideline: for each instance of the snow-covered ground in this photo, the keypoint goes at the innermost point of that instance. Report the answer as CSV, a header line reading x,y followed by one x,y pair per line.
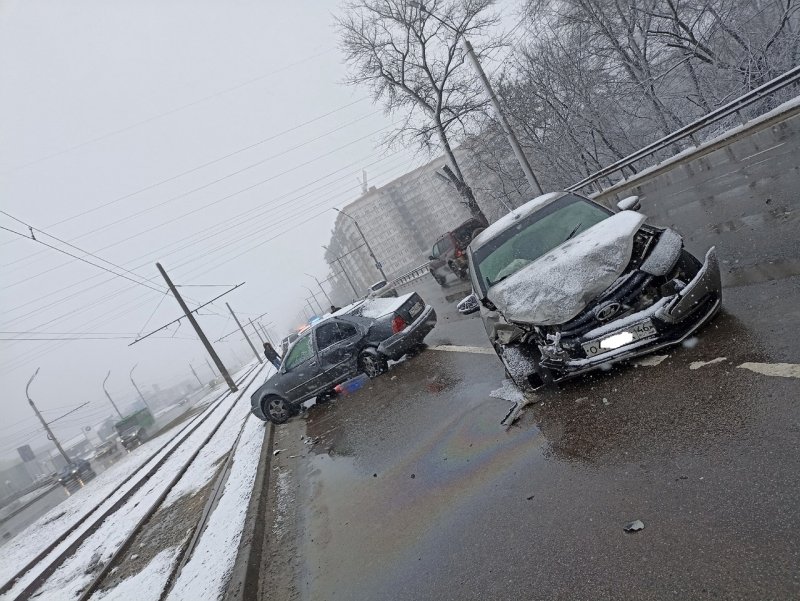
x,y
49,527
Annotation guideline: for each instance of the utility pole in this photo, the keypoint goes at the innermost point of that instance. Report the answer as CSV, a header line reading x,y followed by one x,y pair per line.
x,y
378,264
313,310
199,381
256,331
141,396
211,369
498,109
109,396
50,434
200,334
266,335
344,271
246,337
321,288
316,300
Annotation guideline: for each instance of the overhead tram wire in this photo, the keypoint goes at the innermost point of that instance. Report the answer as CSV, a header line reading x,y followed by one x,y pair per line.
x,y
262,209
51,348
217,201
166,113
204,186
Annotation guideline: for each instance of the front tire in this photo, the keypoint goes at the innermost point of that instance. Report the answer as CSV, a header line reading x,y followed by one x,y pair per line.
x,y
277,410
372,363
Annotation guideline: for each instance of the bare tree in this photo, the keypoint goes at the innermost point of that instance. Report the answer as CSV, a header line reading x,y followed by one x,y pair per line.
x,y
411,59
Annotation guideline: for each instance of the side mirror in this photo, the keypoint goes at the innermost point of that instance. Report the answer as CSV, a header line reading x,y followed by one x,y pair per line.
x,y
631,203
431,258
469,305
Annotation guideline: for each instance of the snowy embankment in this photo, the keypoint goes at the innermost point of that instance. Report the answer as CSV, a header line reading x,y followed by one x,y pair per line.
x,y
206,573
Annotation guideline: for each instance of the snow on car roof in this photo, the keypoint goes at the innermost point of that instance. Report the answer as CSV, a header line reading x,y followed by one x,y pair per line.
x,y
377,307
506,221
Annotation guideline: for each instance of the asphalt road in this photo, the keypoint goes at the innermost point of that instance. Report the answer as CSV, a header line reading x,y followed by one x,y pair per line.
x,y
413,490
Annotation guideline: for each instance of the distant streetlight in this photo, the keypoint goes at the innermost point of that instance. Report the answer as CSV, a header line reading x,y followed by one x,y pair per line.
x,y
321,288
109,396
316,300
378,264
46,426
141,396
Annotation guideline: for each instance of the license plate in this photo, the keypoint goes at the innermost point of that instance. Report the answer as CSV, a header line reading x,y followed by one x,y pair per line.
x,y
620,338
415,310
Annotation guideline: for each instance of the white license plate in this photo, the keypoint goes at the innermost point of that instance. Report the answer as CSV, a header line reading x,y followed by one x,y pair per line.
x,y
415,310
620,338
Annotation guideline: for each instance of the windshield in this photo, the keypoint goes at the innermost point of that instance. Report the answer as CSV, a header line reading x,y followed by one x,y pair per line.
x,y
533,236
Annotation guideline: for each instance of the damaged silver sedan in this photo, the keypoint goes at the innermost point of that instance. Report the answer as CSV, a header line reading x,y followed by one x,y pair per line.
x,y
565,286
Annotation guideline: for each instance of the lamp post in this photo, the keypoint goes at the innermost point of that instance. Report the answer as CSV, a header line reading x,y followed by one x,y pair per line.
x,y
109,396
139,392
506,125
378,265
316,300
46,426
321,288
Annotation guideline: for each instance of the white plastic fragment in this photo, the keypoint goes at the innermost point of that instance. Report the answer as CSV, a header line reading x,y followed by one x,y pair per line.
x,y
634,526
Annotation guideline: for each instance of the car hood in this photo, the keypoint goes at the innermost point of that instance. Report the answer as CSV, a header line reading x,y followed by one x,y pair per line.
x,y
558,285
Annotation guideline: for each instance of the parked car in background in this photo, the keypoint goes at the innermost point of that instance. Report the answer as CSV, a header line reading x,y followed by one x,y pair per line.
x,y
448,254
133,430
106,450
564,286
287,342
360,338
381,289
75,475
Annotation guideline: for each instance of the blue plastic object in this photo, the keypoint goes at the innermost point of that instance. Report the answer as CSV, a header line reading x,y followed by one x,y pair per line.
x,y
352,385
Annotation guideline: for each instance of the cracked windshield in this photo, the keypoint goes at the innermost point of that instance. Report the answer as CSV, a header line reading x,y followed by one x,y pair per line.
x,y
400,300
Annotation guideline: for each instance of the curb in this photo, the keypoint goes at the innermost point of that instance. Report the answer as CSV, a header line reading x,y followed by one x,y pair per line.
x,y
244,579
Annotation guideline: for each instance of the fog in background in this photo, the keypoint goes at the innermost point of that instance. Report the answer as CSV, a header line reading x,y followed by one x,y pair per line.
x,y
102,100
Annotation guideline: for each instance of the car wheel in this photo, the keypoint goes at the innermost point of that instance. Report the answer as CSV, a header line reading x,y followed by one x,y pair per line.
x,y
372,363
277,410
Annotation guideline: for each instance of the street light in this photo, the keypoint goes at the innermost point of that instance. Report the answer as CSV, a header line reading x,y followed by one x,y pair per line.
x,y
141,396
506,125
109,396
321,288
45,425
314,296
378,265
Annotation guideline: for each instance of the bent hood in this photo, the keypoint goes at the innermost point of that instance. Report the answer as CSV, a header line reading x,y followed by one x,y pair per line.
x,y
558,285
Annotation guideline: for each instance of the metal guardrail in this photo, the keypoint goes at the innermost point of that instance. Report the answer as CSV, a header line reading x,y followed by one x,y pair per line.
x,y
772,86
410,276
786,79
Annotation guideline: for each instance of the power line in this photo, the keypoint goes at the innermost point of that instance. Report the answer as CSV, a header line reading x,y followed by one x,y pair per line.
x,y
164,114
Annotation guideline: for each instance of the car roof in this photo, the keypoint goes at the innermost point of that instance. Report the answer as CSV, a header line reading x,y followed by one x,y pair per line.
x,y
508,220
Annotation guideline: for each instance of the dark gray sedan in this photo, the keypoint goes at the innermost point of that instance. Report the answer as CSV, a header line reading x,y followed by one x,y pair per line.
x,y
360,339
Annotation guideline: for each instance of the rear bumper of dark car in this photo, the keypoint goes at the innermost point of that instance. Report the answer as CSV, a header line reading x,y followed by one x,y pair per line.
x,y
411,337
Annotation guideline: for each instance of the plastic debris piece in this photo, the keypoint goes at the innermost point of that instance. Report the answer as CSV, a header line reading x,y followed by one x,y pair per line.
x,y
634,526
277,451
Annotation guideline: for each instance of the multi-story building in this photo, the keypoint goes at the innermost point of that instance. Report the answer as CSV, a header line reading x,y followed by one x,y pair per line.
x,y
401,220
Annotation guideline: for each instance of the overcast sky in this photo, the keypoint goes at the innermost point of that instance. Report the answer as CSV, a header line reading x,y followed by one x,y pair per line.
x,y
213,137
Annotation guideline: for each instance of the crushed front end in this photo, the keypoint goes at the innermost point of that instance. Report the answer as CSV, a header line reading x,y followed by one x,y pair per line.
x,y
661,298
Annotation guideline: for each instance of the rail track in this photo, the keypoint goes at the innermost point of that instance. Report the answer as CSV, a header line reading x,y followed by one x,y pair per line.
x,y
31,579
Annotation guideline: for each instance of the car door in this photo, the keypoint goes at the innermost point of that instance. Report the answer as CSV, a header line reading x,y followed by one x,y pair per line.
x,y
337,347
300,369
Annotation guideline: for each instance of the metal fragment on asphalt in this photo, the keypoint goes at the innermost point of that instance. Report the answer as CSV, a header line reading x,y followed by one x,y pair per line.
x,y
634,526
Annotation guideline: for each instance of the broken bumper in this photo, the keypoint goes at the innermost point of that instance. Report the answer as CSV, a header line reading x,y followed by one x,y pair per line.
x,y
674,319
410,337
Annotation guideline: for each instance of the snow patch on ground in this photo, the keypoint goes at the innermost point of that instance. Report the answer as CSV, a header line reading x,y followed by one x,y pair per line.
x,y
699,364
508,391
783,370
147,584
651,360
206,574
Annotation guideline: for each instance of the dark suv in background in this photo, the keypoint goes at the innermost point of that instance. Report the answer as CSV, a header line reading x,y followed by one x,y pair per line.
x,y
449,253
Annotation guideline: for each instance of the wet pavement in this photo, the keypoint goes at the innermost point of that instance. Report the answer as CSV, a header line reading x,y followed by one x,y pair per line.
x,y
413,489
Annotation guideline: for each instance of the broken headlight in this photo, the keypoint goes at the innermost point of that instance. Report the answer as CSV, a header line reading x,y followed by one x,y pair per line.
x,y
507,333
